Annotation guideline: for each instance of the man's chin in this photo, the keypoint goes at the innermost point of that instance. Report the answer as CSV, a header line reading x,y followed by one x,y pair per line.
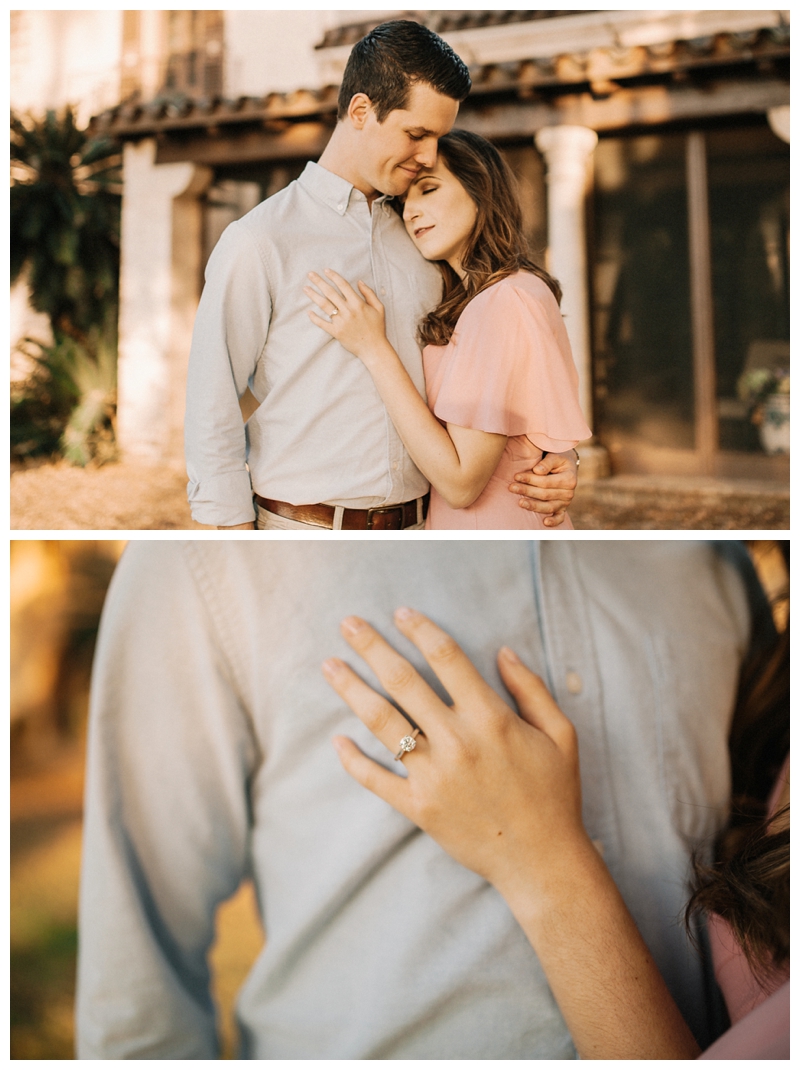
x,y
398,183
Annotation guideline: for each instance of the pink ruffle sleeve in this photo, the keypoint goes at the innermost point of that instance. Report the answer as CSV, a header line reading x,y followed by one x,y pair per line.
x,y
510,369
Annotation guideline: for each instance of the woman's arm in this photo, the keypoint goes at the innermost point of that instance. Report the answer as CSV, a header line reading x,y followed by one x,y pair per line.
x,y
458,461
501,794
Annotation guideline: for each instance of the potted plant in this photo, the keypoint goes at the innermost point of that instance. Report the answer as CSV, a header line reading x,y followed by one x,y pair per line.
x,y
766,392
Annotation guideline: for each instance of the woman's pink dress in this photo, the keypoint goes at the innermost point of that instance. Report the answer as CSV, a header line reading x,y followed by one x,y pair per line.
x,y
507,369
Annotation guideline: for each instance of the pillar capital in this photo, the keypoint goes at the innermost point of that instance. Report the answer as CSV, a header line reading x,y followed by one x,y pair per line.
x,y
778,119
579,139
566,150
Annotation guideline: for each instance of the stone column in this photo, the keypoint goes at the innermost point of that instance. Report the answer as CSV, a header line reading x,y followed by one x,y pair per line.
x,y
566,150
161,248
778,119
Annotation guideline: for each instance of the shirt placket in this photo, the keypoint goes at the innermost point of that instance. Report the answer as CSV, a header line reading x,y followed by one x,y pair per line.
x,y
383,288
574,679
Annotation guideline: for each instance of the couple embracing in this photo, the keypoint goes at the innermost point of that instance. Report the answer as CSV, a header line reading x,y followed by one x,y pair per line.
x,y
306,401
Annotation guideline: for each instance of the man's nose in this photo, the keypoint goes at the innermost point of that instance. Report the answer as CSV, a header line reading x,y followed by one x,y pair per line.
x,y
427,152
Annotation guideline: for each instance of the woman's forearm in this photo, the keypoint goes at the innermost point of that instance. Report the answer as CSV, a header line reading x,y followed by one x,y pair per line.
x,y
431,448
610,992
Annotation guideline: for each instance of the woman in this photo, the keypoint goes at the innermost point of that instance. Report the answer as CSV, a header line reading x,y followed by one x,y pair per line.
x,y
502,795
501,383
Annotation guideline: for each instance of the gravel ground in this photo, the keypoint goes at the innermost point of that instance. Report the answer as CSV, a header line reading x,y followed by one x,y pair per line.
x,y
636,503
126,496
115,497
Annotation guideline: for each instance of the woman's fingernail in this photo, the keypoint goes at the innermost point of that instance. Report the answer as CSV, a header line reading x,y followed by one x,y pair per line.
x,y
351,625
338,742
508,655
331,666
404,613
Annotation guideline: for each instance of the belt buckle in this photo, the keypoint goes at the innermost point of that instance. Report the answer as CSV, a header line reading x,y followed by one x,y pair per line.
x,y
383,510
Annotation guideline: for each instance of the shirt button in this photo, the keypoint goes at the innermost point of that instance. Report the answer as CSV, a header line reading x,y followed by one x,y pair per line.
x,y
383,291
574,683
394,466
340,207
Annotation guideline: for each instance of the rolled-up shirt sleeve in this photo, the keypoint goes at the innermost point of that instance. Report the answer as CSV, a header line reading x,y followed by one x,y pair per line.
x,y
167,817
230,332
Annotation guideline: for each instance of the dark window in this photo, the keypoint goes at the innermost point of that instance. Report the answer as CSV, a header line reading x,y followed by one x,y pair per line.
x,y
666,390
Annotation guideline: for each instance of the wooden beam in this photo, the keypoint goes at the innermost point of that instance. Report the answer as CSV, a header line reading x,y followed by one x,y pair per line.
x,y
297,141
508,120
642,106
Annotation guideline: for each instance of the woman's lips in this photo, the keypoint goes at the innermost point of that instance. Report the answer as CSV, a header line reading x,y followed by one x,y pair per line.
x,y
421,231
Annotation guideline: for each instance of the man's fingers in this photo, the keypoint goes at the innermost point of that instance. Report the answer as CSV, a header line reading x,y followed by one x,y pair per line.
x,y
536,705
548,508
397,675
452,666
385,722
555,520
549,463
388,786
556,481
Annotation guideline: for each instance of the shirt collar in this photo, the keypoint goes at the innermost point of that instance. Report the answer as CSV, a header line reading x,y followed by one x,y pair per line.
x,y
331,189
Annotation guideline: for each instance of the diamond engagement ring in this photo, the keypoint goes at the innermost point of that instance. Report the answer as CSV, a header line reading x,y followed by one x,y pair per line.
x,y
407,743
334,313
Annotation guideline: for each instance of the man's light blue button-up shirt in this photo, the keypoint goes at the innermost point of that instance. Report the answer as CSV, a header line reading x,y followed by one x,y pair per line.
x,y
321,432
210,759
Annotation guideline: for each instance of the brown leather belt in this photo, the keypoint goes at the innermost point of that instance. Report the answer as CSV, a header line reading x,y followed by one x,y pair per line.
x,y
381,518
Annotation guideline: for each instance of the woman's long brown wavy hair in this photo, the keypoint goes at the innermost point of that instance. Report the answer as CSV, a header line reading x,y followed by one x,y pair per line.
x,y
748,885
496,247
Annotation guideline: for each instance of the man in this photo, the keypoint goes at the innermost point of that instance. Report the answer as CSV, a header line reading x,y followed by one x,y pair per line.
x,y
320,449
210,760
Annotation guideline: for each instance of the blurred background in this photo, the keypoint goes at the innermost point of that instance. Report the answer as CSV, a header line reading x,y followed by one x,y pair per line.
x,y
57,592
138,136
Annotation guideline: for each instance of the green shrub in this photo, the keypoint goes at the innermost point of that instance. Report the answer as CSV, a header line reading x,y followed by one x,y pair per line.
x,y
64,237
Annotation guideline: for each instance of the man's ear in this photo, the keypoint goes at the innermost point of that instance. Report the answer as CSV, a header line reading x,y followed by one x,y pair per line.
x,y
358,110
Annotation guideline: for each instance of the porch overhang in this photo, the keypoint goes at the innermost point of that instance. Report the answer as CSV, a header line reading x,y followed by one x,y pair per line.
x,y
608,87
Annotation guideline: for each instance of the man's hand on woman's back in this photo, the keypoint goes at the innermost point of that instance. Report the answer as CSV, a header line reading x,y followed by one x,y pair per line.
x,y
549,486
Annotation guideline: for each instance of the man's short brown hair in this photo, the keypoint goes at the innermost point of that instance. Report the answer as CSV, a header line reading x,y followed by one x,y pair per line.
x,y
396,55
